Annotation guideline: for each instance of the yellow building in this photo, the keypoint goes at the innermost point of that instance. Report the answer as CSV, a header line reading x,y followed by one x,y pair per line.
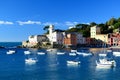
x,y
95,33
102,37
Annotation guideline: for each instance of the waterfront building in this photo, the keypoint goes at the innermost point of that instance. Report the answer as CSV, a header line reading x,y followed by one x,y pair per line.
x,y
99,39
34,40
70,39
114,39
73,39
80,38
94,31
55,36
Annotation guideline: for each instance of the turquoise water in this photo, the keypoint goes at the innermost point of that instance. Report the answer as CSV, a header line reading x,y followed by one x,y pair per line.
x,y
52,66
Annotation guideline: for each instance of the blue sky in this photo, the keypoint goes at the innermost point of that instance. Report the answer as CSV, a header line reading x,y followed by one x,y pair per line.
x,y
21,18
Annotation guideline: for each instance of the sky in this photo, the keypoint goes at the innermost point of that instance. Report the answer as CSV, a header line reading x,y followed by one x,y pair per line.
x,y
22,18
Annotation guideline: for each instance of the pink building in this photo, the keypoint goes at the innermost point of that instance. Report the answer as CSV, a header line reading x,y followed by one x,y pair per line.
x,y
114,39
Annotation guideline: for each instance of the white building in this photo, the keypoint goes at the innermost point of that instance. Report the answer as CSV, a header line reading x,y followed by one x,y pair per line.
x,y
55,36
34,39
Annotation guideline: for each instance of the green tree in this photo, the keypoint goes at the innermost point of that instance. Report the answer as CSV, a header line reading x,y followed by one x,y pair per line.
x,y
46,28
118,20
72,30
92,24
117,25
104,28
112,21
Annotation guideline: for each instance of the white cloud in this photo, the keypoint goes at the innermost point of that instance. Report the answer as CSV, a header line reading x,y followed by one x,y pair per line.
x,y
29,22
51,23
86,23
6,22
68,23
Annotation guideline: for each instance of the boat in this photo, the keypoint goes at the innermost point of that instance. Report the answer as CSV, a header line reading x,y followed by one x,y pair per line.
x,y
87,54
73,50
27,52
40,53
102,55
60,53
117,54
72,54
104,63
79,53
109,50
73,62
30,61
10,52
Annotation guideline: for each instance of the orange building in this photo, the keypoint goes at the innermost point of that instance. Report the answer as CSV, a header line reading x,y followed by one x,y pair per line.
x,y
70,39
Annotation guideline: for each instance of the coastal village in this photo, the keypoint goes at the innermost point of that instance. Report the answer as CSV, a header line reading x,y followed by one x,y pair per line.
x,y
61,39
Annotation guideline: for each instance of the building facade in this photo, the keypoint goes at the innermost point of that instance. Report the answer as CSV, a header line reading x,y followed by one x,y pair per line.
x,y
98,38
80,38
94,31
55,36
34,39
114,39
70,39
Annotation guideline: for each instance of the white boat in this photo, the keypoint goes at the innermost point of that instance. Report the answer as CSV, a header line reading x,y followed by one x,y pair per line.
x,y
27,52
11,52
79,53
40,53
30,61
105,63
102,55
73,62
87,54
109,50
73,50
60,53
72,54
49,50
116,54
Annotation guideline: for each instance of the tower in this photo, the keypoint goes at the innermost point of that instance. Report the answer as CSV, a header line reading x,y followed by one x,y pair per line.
x,y
51,28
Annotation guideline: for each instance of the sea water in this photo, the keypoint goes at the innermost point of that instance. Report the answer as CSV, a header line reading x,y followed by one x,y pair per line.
x,y
52,66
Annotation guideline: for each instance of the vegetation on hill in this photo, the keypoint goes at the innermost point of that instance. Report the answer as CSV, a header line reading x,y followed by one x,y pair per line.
x,y
107,27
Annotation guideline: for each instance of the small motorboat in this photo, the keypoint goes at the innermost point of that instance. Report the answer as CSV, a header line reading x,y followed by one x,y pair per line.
x,y
104,63
79,53
87,54
30,61
72,54
117,54
73,62
41,53
102,55
27,52
73,50
60,53
11,52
